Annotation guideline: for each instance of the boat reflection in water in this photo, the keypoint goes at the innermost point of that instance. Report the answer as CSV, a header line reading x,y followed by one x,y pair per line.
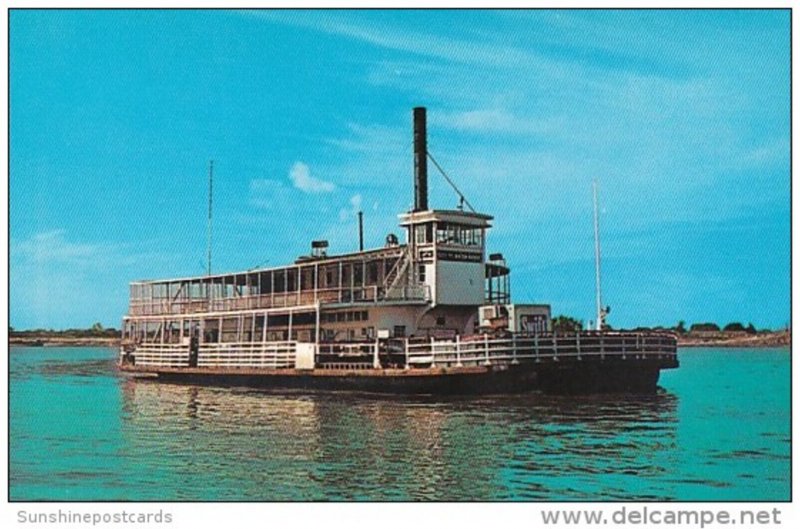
x,y
245,444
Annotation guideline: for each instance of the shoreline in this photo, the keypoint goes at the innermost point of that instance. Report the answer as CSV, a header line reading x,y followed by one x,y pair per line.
x,y
42,341
759,341
749,341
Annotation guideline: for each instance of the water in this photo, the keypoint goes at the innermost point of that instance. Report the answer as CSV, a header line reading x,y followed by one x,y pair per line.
x,y
718,429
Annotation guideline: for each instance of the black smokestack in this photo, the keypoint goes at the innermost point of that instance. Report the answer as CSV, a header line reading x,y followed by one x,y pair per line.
x,y
420,160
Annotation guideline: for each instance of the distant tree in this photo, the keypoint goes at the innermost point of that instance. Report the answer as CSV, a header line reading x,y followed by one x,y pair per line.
x,y
734,327
751,329
97,327
704,327
562,323
681,327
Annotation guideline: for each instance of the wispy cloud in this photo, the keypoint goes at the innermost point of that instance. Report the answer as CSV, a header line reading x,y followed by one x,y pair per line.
x,y
465,51
300,175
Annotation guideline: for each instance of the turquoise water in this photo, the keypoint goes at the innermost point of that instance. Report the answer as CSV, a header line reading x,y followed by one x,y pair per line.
x,y
718,429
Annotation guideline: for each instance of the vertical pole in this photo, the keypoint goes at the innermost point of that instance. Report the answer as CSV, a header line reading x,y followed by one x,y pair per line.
x,y
291,314
264,330
458,351
555,347
316,331
360,231
514,349
210,195
599,324
486,347
406,351
316,282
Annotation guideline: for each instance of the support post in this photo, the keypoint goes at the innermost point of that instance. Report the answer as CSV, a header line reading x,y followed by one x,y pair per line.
x,y
514,349
555,347
486,348
458,351
406,351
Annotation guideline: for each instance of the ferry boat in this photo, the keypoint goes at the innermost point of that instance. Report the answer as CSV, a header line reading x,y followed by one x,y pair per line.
x,y
430,315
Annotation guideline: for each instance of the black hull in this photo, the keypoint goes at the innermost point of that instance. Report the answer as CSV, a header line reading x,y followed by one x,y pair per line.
x,y
570,378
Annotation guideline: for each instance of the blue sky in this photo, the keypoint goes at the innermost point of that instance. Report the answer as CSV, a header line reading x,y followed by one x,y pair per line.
x,y
682,116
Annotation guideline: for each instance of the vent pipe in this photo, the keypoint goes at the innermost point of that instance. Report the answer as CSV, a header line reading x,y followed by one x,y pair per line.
x,y
420,161
360,231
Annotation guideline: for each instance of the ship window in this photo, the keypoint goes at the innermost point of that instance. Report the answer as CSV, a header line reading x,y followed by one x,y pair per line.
x,y
423,234
340,316
357,316
329,278
349,316
364,315
399,331
422,273
372,273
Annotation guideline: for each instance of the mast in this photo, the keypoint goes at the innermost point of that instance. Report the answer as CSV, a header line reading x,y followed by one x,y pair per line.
x,y
210,197
600,321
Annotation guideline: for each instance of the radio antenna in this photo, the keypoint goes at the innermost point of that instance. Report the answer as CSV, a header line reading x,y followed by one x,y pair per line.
x,y
210,203
601,312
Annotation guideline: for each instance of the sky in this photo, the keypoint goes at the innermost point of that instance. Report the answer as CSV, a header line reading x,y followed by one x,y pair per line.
x,y
682,117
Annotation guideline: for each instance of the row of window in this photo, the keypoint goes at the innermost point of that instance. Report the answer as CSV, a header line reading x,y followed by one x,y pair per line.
x,y
449,234
352,315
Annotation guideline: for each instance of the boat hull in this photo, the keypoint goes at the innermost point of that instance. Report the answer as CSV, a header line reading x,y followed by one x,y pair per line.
x,y
608,376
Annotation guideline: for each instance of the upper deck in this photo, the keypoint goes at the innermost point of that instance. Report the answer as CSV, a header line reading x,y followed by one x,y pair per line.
x,y
362,277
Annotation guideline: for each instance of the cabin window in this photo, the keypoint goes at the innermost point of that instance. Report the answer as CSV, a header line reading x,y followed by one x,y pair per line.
x,y
329,278
399,331
364,315
421,274
372,273
340,316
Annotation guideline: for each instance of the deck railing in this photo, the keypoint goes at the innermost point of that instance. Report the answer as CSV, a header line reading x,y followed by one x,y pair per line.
x,y
421,353
369,294
484,349
274,355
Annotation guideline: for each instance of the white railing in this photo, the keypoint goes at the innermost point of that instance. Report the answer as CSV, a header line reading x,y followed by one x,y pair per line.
x,y
486,350
420,353
274,355
280,300
162,355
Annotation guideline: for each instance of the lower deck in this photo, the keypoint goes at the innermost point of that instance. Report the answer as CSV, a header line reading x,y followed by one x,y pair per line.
x,y
579,362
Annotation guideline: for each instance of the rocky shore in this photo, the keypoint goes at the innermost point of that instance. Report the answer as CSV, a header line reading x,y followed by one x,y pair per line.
x,y
50,341
737,339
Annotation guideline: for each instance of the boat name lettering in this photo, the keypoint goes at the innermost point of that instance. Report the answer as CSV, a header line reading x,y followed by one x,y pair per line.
x,y
449,255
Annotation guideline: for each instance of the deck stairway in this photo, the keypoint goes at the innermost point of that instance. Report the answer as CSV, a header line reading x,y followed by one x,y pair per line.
x,y
396,279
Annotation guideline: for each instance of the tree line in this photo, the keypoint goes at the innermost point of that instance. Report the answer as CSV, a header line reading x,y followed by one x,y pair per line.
x,y
563,323
95,331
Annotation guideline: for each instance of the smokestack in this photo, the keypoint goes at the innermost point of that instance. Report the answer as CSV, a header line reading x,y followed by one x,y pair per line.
x,y
360,231
420,161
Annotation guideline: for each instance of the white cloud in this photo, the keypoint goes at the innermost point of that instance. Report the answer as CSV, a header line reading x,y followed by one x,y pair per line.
x,y
300,175
346,214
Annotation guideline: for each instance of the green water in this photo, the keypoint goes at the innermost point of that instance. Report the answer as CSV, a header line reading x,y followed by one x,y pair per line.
x,y
718,429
